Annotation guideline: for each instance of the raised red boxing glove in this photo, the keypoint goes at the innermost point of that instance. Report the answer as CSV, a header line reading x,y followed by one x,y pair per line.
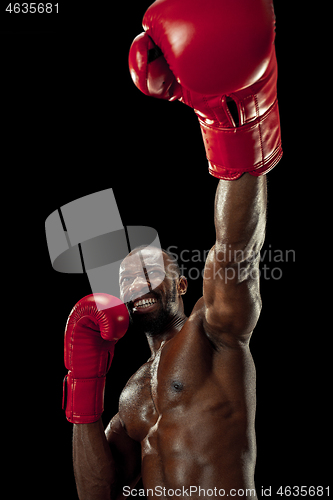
x,y
218,57
93,327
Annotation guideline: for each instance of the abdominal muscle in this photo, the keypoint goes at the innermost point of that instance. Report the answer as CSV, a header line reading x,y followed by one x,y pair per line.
x,y
197,448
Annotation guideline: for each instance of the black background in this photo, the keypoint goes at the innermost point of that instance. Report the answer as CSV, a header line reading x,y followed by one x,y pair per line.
x,y
73,124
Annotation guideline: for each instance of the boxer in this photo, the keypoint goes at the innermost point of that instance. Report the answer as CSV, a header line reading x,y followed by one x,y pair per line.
x,y
186,418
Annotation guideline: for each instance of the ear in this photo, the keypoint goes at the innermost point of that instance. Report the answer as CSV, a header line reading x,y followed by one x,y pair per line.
x,y
182,285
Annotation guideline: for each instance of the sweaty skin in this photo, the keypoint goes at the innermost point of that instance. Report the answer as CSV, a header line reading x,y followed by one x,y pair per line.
x,y
186,417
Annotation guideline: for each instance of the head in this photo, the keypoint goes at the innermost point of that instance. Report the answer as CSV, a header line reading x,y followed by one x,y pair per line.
x,y
152,288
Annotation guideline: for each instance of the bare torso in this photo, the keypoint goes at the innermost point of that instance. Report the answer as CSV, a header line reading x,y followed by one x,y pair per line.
x,y
192,408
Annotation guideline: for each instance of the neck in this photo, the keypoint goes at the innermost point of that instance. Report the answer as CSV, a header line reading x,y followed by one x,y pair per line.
x,y
171,328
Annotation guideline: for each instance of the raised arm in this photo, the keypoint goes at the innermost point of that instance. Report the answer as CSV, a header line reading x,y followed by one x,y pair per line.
x,y
221,62
231,278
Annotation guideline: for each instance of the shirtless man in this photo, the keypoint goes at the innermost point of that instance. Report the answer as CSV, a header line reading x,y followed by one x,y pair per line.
x,y
186,418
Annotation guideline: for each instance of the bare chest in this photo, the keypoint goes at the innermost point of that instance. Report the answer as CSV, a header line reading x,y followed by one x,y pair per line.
x,y
186,377
192,409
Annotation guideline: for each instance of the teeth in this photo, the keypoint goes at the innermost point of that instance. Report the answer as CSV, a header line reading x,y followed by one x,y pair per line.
x,y
144,302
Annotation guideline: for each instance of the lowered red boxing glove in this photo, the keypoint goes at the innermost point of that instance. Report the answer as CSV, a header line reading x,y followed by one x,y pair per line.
x,y
218,57
94,326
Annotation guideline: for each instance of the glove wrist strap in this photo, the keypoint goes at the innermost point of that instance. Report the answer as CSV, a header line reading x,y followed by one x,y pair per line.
x,y
83,399
254,147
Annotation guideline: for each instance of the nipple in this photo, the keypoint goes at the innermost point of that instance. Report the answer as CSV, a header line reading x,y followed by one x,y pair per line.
x,y
177,386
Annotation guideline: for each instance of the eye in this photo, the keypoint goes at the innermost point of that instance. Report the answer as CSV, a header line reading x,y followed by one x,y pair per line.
x,y
154,273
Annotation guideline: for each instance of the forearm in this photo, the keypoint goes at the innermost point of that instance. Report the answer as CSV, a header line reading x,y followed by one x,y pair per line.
x,y
240,218
94,466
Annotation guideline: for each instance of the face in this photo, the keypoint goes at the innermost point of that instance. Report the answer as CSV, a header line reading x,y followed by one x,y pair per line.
x,y
149,286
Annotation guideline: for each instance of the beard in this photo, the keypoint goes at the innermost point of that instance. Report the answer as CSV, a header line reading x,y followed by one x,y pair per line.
x,y
153,323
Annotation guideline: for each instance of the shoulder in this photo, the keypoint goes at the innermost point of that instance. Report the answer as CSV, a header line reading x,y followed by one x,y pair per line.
x,y
135,403
136,383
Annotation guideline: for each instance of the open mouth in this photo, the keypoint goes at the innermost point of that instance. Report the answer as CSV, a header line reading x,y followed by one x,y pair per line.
x,y
144,304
